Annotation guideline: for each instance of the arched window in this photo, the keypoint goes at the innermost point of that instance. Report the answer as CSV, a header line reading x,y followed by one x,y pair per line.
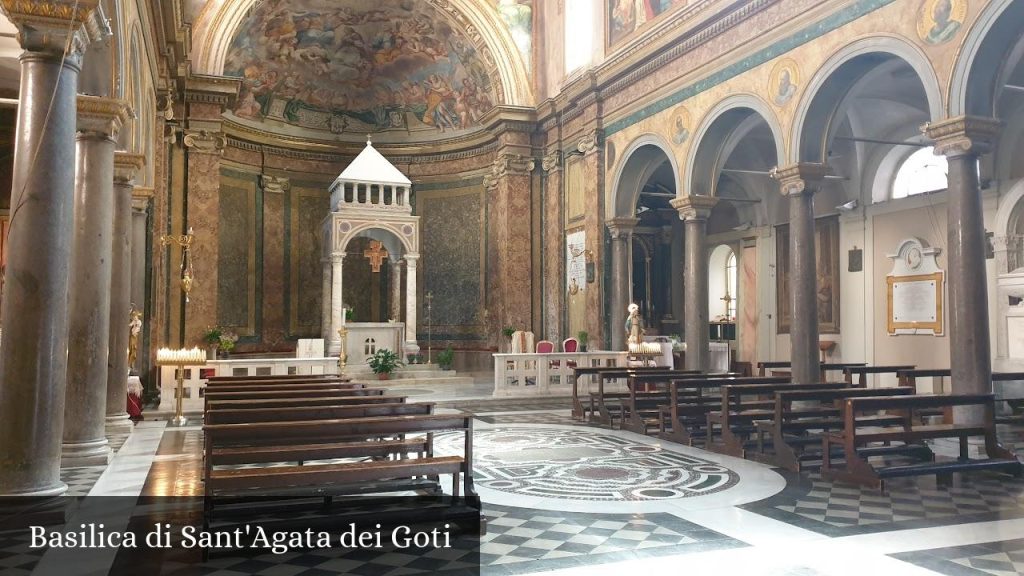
x,y
921,172
579,34
731,286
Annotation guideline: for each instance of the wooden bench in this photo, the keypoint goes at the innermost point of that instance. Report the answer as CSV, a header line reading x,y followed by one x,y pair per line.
x,y
763,367
276,377
579,410
827,367
854,439
648,394
861,372
287,394
909,378
306,413
789,429
283,386
599,411
302,402
741,406
683,418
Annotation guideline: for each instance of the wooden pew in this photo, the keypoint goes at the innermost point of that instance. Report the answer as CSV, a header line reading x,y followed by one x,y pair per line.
x,y
859,470
285,386
601,411
790,425
306,413
301,402
735,418
1016,404
649,393
275,378
763,367
827,367
862,373
909,378
286,394
683,418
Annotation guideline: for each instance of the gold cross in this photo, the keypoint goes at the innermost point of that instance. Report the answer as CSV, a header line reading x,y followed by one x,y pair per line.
x,y
375,254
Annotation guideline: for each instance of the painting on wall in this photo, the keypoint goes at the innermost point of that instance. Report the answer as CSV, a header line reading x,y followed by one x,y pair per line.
x,y
388,65
627,16
518,17
939,20
826,249
784,81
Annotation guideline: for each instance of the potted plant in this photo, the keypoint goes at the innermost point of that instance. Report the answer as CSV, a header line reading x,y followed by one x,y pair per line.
x,y
212,339
507,332
227,342
384,362
445,358
583,338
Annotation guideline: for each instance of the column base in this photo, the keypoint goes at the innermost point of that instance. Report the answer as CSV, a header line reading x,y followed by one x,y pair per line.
x,y
119,424
56,489
39,509
411,347
75,455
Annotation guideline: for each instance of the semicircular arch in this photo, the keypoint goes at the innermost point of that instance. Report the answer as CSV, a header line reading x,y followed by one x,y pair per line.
x,y
633,171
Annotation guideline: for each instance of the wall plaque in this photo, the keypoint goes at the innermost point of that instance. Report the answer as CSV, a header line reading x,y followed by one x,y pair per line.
x,y
914,290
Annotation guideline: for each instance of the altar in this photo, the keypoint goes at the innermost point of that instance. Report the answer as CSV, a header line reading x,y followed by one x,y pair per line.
x,y
365,338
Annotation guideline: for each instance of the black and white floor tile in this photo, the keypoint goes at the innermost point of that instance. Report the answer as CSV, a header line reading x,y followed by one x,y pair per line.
x,y
1004,558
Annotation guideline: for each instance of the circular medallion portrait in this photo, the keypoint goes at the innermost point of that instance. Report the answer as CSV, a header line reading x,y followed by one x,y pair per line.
x,y
680,128
938,21
784,81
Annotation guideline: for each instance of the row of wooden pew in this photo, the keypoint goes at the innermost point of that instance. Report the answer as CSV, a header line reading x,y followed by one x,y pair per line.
x,y
834,426
285,438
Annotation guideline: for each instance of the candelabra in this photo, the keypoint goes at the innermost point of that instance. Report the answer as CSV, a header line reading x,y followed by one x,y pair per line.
x,y
343,355
180,359
184,241
430,323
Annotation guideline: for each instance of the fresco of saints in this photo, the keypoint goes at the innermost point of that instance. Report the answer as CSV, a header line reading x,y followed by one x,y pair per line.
x,y
944,24
680,132
786,87
438,113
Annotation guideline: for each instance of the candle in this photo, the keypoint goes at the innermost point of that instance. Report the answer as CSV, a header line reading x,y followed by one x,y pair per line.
x,y
183,356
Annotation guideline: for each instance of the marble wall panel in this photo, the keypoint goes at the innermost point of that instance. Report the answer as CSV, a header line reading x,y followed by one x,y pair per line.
x,y
237,234
203,217
308,206
274,277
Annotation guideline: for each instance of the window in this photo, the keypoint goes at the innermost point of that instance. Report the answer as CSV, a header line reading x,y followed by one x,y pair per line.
x,y
730,286
921,172
579,34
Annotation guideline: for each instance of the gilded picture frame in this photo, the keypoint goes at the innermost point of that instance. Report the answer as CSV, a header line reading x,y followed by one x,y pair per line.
x,y
826,247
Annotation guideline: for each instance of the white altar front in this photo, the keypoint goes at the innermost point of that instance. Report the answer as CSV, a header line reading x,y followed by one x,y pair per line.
x,y
365,338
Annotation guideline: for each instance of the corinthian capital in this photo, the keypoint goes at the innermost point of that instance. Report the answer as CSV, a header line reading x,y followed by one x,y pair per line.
x,y
204,141
694,207
800,178
127,166
102,116
55,26
552,162
963,135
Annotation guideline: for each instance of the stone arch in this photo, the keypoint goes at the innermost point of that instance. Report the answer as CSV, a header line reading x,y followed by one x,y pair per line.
x,y
713,119
638,161
386,233
822,101
220,19
971,90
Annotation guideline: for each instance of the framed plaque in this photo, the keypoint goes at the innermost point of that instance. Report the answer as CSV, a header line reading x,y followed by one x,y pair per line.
x,y
915,303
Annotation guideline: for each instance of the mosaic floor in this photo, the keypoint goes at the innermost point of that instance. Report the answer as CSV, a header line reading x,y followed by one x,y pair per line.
x,y
571,499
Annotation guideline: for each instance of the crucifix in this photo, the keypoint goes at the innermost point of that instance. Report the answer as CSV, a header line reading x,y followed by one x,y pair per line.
x,y
375,254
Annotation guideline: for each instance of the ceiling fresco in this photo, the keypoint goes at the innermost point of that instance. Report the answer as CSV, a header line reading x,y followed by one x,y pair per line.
x,y
391,65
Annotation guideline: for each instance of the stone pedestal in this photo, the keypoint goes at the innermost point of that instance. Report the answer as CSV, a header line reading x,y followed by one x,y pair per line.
x,y
963,140
33,358
799,182
85,443
694,211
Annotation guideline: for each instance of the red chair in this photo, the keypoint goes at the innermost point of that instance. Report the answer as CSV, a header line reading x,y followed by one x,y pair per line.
x,y
570,345
545,347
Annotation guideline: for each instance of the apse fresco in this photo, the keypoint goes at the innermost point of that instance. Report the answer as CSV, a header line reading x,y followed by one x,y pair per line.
x,y
387,65
626,16
518,17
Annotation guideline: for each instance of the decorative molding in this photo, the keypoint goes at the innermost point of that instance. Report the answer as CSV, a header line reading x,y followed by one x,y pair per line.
x,y
694,207
552,161
590,141
622,227
204,141
274,184
103,117
800,178
206,89
143,192
126,166
50,26
508,165
963,135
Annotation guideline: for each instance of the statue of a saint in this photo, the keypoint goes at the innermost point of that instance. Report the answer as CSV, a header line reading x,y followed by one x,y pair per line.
x,y
134,329
634,325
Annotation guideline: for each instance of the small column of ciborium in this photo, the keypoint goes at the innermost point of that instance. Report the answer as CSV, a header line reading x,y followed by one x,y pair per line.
x,y
343,336
180,359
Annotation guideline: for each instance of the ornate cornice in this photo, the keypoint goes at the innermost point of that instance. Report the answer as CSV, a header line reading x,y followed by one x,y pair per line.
x,y
50,26
963,135
275,184
205,89
103,117
694,207
126,166
143,193
204,141
552,162
800,178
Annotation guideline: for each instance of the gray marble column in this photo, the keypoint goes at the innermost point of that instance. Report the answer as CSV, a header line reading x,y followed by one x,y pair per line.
x,y
140,205
325,302
621,229
694,211
337,263
126,166
799,182
85,442
396,290
33,358
963,140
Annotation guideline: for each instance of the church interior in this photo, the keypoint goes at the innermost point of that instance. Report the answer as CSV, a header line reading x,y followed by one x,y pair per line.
x,y
724,286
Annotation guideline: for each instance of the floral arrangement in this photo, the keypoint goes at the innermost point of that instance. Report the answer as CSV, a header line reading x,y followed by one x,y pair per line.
x,y
227,340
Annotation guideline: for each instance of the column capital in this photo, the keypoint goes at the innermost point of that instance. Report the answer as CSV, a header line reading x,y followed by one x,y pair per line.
x,y
49,26
622,226
410,259
338,258
126,166
963,135
694,207
139,205
590,141
552,161
799,178
275,184
103,117
205,142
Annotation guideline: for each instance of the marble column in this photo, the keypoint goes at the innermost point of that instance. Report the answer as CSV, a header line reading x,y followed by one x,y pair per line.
x,y
694,211
337,263
963,140
799,182
553,299
396,290
411,344
140,206
621,229
126,166
33,358
325,301
89,291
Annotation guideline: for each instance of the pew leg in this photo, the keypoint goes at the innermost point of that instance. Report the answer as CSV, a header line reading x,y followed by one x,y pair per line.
x,y
455,485
964,453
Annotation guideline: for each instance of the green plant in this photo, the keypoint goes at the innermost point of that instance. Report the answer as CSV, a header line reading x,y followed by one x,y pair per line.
x,y
212,335
384,361
445,358
227,341
583,337
348,315
508,331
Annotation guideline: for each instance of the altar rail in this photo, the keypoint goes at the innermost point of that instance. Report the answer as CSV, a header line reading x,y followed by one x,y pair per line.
x,y
195,376
546,374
